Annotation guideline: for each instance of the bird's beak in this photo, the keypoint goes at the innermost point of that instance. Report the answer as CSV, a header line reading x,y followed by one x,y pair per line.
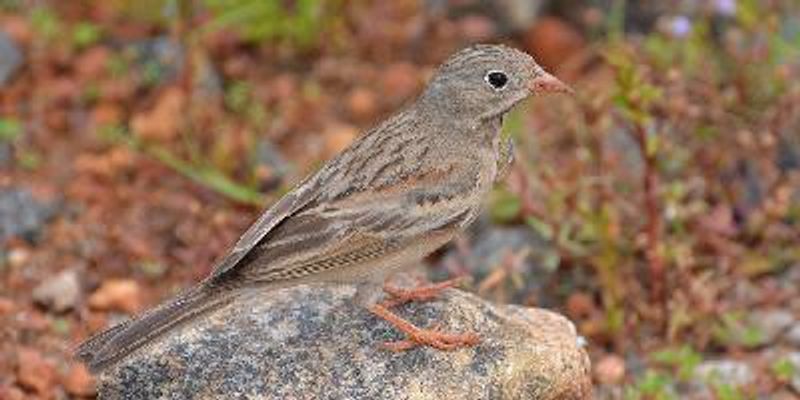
x,y
546,83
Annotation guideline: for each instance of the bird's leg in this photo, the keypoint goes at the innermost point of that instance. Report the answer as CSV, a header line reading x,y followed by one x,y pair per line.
x,y
421,337
368,294
400,296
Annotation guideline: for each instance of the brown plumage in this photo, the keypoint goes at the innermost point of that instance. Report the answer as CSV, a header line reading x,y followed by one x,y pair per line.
x,y
399,192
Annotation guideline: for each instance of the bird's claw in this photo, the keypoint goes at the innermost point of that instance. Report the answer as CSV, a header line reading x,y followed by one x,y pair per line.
x,y
434,338
400,296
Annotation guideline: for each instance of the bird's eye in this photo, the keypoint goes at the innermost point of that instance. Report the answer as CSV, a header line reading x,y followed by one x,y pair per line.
x,y
496,79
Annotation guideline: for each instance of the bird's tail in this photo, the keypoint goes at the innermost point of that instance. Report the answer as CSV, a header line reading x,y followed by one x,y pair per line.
x,y
110,346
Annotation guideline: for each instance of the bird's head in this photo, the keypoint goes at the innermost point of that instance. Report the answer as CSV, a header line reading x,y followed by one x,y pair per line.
x,y
483,82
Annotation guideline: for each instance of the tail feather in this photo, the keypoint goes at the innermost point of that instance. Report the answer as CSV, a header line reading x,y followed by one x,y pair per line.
x,y
89,348
110,346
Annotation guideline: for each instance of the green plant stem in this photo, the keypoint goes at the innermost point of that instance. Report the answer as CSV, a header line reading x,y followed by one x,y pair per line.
x,y
652,207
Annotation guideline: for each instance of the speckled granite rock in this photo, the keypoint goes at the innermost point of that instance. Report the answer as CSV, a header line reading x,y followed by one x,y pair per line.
x,y
313,343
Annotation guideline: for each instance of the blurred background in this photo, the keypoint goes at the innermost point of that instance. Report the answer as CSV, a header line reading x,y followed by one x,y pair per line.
x,y
659,209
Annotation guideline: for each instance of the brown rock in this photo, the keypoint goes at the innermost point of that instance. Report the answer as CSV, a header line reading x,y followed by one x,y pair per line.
x,y
106,113
476,28
8,392
610,370
117,295
163,122
338,137
18,28
34,372
6,306
33,320
580,305
63,89
399,81
362,103
79,382
284,87
93,63
59,293
18,257
553,41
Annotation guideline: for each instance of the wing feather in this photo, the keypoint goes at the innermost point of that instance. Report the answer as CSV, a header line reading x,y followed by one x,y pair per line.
x,y
351,231
287,206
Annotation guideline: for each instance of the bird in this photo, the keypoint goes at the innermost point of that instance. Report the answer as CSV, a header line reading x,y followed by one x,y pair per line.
x,y
399,192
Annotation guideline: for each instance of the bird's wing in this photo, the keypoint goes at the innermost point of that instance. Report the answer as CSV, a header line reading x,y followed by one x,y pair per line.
x,y
358,228
306,194
375,182
289,204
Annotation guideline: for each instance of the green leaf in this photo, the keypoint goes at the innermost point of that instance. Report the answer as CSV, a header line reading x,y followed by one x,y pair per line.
x,y
783,369
726,391
732,330
29,159
60,326
45,22
10,129
207,176
684,358
542,228
651,144
85,34
301,23
655,384
505,206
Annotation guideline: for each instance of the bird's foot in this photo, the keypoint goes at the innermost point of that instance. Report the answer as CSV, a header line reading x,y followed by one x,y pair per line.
x,y
422,337
400,296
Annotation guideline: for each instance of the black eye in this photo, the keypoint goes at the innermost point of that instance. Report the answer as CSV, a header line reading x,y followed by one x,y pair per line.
x,y
496,79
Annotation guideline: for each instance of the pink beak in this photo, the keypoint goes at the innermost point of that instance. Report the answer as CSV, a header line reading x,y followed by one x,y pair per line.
x,y
546,83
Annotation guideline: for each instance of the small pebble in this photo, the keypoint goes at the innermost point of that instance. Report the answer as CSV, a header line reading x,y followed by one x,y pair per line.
x,y
59,293
34,372
732,372
793,335
117,295
610,370
79,382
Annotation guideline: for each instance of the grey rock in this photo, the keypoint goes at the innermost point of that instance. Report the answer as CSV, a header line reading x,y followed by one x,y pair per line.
x,y
608,391
267,155
6,155
621,142
519,14
792,274
509,15
794,359
10,58
22,215
771,323
59,293
788,155
640,16
745,291
731,372
793,335
207,81
314,343
163,59
753,184
160,58
489,247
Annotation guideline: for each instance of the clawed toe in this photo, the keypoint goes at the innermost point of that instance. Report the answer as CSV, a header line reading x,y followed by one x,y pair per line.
x,y
401,296
434,338
423,337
